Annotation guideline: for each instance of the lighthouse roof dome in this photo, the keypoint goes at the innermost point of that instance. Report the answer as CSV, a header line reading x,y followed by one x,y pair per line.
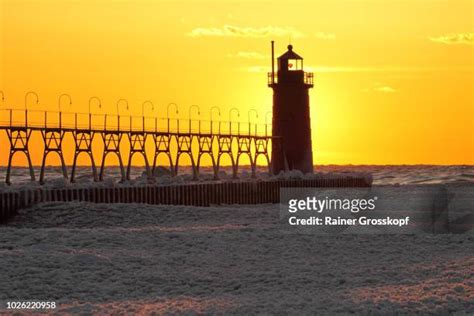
x,y
290,54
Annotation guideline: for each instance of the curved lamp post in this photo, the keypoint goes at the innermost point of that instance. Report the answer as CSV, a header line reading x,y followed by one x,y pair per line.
x,y
143,112
59,100
118,105
90,114
168,109
266,122
26,104
118,111
199,113
230,119
59,106
232,110
3,99
168,114
26,98
219,113
256,115
145,103
90,103
194,106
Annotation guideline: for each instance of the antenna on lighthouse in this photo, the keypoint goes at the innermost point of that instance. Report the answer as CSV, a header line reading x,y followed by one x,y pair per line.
x,y
273,62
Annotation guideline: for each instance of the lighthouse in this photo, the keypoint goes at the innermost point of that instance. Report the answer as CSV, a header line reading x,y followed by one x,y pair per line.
x,y
291,147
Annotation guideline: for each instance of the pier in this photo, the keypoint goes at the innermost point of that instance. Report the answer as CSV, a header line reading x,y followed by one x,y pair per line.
x,y
172,137
195,194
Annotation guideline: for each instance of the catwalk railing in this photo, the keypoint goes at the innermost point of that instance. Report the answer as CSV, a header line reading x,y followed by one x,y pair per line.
x,y
172,137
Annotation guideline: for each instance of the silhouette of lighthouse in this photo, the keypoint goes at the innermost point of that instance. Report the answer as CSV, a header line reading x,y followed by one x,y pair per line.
x,y
291,148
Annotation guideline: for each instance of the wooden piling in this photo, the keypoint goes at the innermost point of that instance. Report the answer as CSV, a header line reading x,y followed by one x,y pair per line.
x,y
196,194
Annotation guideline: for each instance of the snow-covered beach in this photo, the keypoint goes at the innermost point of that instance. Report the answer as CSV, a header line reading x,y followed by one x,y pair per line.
x,y
236,259
123,259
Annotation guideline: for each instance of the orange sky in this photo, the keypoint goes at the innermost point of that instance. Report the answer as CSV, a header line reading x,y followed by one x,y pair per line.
x,y
393,85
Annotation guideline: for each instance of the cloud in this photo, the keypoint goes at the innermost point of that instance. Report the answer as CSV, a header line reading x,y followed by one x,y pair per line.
x,y
249,55
252,32
378,87
329,69
460,38
257,69
385,89
321,69
318,69
325,36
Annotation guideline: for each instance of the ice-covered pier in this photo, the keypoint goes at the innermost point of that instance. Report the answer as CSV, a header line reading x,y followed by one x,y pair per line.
x,y
196,194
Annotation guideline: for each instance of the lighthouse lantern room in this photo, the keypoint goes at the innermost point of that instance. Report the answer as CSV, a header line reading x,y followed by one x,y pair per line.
x,y
291,149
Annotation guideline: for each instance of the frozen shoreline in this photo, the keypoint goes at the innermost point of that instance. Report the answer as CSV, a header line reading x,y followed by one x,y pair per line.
x,y
133,258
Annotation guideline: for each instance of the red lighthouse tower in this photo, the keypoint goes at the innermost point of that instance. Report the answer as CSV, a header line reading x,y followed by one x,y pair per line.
x,y
291,149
